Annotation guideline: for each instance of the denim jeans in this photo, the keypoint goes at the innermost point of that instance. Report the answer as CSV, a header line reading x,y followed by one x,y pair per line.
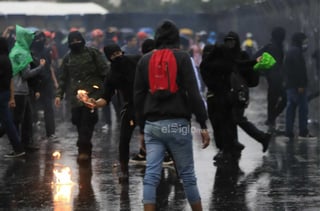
x,y
294,100
7,122
175,136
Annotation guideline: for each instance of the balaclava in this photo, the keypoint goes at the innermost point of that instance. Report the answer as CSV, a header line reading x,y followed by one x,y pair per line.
x,y
76,41
110,49
38,41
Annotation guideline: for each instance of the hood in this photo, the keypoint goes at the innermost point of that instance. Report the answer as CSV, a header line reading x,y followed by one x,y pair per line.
x,y
24,37
39,41
110,49
75,35
298,38
234,36
4,47
278,35
233,52
167,35
147,46
20,55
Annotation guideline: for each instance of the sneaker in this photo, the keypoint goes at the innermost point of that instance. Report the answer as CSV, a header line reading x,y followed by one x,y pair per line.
x,y
265,142
105,127
53,138
138,159
285,137
15,154
167,160
308,137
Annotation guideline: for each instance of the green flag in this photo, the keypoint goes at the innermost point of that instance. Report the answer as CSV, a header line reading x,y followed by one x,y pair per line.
x,y
267,61
20,55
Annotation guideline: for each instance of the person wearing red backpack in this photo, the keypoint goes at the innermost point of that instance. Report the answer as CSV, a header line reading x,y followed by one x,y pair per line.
x,y
165,96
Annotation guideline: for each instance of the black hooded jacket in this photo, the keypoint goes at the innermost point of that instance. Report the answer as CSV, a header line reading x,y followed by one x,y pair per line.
x,y
216,69
275,48
216,66
185,101
43,81
294,64
5,66
121,78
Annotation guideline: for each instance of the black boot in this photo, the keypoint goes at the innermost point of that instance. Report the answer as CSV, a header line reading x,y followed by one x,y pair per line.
x,y
265,141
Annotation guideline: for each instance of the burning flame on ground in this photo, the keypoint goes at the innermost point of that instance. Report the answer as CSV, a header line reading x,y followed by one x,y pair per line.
x,y
62,176
56,155
61,185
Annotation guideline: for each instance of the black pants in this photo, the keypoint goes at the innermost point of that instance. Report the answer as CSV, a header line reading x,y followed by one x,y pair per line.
x,y
247,126
276,97
46,103
22,115
127,126
222,121
84,119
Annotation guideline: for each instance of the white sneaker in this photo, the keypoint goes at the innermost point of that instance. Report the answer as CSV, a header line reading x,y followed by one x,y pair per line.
x,y
105,127
308,137
14,154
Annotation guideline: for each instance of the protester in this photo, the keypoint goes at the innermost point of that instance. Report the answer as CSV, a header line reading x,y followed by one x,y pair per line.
x,y
7,99
147,46
131,47
276,98
173,115
225,113
249,45
296,86
83,68
244,65
24,71
47,83
120,78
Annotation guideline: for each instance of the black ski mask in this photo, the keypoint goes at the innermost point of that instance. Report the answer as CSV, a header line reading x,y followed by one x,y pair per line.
x,y
76,41
38,41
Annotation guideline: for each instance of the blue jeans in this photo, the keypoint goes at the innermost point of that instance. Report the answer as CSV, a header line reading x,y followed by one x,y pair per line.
x,y
294,100
6,119
175,136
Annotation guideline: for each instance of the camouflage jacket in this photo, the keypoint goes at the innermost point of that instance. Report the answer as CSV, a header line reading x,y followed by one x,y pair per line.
x,y
86,71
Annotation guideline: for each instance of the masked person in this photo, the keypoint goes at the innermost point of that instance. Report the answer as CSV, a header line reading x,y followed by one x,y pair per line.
x,y
45,83
276,91
120,78
83,68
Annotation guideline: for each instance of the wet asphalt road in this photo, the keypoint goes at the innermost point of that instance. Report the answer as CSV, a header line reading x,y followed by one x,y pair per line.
x,y
287,177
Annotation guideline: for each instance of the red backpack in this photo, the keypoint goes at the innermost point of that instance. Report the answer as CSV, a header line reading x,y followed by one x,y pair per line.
x,y
163,73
